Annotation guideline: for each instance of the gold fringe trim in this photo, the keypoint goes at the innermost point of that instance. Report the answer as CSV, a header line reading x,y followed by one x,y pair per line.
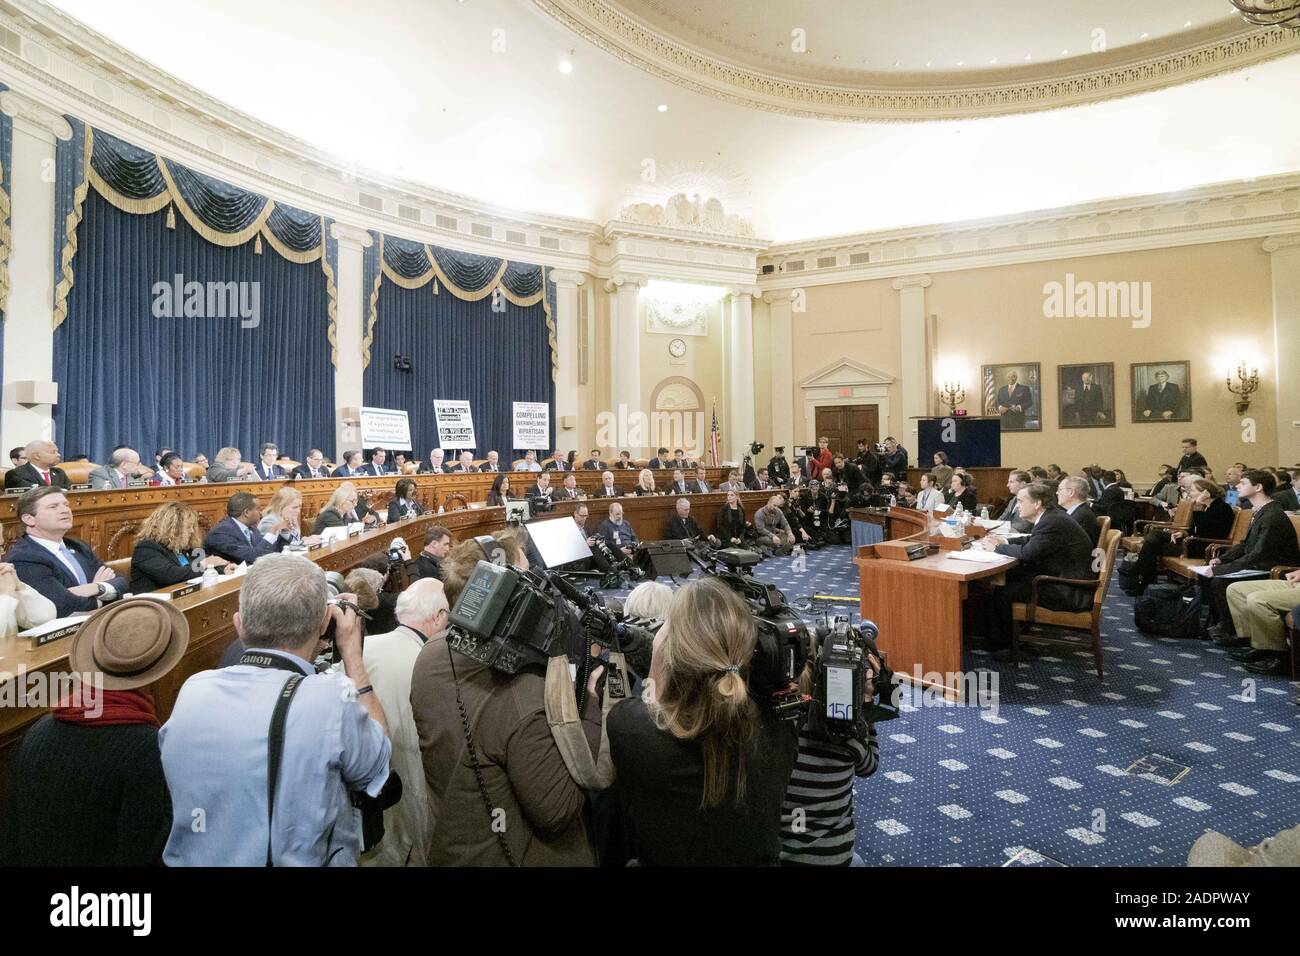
x,y
6,244
171,216
302,258
456,290
372,316
64,286
257,244
404,282
216,238
551,336
331,289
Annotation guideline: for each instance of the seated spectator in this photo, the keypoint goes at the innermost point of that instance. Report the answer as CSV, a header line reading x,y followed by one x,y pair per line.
x,y
237,537
167,549
702,768
66,571
1258,609
648,603
929,497
619,536
1072,495
1211,518
961,494
682,527
771,529
88,787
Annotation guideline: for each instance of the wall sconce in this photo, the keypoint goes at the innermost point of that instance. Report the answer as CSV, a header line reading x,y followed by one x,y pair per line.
x,y
1247,384
952,394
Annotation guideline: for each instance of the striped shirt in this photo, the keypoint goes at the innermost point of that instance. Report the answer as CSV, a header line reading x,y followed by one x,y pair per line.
x,y
817,814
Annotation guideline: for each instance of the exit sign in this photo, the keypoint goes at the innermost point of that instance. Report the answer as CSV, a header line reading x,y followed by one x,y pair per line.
x,y
846,393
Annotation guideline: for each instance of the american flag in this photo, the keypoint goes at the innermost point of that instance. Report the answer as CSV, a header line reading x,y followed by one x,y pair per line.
x,y
715,438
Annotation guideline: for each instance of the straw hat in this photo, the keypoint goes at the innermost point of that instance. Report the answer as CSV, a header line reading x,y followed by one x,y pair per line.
x,y
132,642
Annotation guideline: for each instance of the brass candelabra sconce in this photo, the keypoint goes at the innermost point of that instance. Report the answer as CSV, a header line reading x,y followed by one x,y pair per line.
x,y
1246,385
952,395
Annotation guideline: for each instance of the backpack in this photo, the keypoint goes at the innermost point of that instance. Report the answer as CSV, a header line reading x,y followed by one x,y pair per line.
x,y
1169,610
1128,579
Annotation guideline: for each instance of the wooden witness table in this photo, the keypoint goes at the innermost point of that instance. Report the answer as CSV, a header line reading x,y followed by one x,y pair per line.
x,y
918,604
107,520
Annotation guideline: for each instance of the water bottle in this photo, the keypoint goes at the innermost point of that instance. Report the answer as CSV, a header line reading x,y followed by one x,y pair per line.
x,y
984,513
210,577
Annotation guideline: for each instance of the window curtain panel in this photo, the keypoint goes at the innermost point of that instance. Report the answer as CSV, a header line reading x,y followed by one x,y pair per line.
x,y
134,368
460,349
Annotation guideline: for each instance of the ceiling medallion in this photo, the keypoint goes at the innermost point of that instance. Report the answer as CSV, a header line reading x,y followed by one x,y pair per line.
x,y
602,23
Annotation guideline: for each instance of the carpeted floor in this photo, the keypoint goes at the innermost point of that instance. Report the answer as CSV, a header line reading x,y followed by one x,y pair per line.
x,y
1050,768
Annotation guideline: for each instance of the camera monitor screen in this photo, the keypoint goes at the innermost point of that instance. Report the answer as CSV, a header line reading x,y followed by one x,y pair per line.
x,y
558,541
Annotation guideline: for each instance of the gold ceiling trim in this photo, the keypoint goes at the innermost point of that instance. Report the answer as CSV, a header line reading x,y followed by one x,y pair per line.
x,y
1014,91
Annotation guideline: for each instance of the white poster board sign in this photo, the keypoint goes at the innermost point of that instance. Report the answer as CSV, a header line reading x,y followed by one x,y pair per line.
x,y
385,428
455,425
532,425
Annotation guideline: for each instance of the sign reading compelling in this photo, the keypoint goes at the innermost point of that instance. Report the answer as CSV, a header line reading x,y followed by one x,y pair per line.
x,y
532,425
385,428
455,425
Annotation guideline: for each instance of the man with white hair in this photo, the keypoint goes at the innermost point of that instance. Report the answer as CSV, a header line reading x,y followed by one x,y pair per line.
x,y
41,468
422,616
617,533
682,527
491,465
123,467
607,487
434,465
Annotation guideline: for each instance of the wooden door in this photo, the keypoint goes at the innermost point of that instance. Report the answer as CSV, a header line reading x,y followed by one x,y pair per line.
x,y
845,424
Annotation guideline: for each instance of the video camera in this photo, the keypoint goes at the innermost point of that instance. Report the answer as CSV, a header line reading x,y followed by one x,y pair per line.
x,y
840,707
509,619
782,647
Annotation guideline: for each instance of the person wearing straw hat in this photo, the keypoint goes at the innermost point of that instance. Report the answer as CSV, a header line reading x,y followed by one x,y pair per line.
x,y
88,779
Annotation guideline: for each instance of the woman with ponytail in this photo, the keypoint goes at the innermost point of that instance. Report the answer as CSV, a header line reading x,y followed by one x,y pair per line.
x,y
701,767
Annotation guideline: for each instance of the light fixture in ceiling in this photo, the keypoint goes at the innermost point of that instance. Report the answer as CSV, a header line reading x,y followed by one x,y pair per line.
x,y
566,67
663,107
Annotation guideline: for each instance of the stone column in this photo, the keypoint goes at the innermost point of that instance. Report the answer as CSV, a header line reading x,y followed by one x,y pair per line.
x,y
625,347
738,430
353,306
1284,255
29,311
783,397
566,346
914,369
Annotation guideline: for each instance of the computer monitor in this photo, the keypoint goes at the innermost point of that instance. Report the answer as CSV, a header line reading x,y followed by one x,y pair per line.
x,y
517,509
558,541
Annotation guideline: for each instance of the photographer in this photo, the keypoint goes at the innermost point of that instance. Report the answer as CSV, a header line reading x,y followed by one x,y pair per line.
x,y
817,815
701,767
499,788
335,736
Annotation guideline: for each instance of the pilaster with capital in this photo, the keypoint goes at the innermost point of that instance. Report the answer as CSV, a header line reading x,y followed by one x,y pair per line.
x,y
738,370
625,341
349,330
566,345
914,366
1284,264
780,309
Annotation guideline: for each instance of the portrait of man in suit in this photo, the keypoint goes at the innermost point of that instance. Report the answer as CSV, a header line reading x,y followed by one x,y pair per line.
x,y
1087,395
1162,392
1012,393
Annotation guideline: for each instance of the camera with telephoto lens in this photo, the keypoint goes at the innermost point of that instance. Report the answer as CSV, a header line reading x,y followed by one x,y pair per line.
x,y
755,447
840,707
509,619
782,646
335,586
396,553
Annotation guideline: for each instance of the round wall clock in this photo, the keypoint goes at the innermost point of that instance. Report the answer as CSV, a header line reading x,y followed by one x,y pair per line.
x,y
677,348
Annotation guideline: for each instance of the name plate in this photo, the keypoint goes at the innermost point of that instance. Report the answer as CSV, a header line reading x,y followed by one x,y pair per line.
x,y
354,534
49,637
316,547
81,486
188,589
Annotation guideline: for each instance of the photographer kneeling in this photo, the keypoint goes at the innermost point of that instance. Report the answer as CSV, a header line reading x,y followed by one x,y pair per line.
x,y
701,767
500,790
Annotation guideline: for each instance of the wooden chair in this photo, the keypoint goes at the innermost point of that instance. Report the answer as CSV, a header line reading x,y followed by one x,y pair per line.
x,y
121,567
78,472
1090,620
1103,524
455,502
514,465
1182,565
194,472
1181,521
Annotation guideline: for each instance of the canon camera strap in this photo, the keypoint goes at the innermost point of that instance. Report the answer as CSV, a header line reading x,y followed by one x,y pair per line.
x,y
275,737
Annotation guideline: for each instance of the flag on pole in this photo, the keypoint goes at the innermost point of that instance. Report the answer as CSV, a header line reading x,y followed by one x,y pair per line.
x,y
715,438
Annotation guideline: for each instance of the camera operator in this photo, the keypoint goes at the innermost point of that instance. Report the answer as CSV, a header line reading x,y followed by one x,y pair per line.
x,y
792,509
701,767
869,462
778,468
500,790
619,536
334,734
894,460
817,815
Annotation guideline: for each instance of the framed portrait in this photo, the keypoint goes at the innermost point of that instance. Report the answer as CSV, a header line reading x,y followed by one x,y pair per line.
x,y
1162,391
1012,393
1087,395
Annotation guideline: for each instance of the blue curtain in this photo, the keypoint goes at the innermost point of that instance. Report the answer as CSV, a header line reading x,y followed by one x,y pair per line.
x,y
459,350
194,384
6,240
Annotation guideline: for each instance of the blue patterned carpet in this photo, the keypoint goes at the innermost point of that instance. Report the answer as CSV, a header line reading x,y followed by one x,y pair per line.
x,y
1047,769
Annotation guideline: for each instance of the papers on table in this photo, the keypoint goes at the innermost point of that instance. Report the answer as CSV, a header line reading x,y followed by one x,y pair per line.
x,y
1204,571
993,524
330,535
976,556
57,624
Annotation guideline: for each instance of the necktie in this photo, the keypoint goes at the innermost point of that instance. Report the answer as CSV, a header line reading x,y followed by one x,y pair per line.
x,y
70,559
248,535
45,477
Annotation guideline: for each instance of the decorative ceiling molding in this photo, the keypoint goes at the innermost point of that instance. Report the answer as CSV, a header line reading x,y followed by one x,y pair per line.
x,y
689,213
1224,212
1022,90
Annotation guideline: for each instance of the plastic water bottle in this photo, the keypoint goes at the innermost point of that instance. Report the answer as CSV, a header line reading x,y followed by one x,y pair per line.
x,y
984,513
210,577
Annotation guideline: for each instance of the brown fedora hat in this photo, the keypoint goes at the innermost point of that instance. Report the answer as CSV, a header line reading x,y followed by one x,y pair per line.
x,y
132,642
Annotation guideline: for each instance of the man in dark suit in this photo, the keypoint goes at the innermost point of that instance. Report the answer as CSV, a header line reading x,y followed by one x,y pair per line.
x,y
607,487
123,468
540,495
236,538
437,542
313,467
1057,547
1289,497
1164,399
1089,403
682,527
594,463
1112,493
682,461
435,465
660,461
351,467
267,469
761,482
1072,496
700,486
679,485
466,464
1271,541
378,464
778,469
556,462
1192,457
569,490
1014,401
1015,481
492,464
63,569
41,468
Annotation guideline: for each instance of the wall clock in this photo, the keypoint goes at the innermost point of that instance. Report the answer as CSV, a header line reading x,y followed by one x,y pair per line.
x,y
677,348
